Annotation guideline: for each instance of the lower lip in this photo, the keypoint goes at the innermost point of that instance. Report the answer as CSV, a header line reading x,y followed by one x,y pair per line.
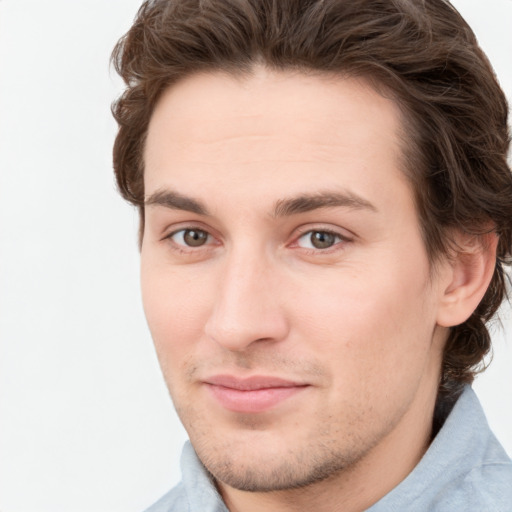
x,y
252,401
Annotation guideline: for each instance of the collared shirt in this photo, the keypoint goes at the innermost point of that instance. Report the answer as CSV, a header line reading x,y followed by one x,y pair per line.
x,y
465,469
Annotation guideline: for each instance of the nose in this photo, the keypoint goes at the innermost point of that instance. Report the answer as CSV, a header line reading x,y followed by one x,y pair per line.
x,y
247,308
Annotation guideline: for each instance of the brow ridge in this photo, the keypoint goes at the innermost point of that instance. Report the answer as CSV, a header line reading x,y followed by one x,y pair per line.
x,y
309,202
283,208
175,201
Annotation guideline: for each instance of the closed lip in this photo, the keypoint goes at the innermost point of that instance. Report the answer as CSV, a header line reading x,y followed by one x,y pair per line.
x,y
252,383
250,395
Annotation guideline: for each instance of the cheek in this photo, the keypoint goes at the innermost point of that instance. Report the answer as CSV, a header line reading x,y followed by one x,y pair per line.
x,y
369,325
175,310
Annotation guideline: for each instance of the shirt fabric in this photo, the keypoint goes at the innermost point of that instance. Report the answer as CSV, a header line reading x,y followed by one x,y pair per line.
x,y
465,469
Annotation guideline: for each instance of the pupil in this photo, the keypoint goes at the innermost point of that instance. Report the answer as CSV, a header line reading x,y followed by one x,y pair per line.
x,y
322,240
194,238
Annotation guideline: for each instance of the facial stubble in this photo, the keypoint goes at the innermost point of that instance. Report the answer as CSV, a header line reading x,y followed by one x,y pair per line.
x,y
244,460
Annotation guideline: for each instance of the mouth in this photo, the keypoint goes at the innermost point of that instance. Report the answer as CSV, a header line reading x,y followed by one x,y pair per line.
x,y
253,394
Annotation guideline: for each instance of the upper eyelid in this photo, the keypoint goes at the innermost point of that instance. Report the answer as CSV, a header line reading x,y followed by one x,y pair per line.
x,y
334,233
338,231
184,226
184,248
342,238
339,244
176,231
188,228
296,233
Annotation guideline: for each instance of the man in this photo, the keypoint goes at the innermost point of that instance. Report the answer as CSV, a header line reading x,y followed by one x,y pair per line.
x,y
326,211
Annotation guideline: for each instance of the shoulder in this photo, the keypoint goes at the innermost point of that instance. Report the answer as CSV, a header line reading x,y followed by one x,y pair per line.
x,y
189,498
465,468
486,487
478,470
196,492
174,501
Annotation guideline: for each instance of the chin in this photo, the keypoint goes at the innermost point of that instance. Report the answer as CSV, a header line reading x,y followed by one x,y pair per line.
x,y
256,466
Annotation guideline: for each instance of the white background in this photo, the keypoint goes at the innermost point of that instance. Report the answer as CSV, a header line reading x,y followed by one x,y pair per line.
x,y
85,421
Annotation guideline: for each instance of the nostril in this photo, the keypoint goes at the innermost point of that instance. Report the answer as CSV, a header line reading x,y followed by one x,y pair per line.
x,y
237,333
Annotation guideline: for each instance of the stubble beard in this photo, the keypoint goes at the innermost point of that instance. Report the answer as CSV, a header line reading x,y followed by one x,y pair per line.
x,y
292,473
253,467
328,448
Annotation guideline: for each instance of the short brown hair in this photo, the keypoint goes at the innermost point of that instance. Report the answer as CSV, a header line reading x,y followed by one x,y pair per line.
x,y
421,52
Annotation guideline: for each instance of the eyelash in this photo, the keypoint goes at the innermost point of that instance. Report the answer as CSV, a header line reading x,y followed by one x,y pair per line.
x,y
186,249
183,247
338,239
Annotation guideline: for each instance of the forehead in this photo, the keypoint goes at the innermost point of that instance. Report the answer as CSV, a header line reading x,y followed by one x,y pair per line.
x,y
280,128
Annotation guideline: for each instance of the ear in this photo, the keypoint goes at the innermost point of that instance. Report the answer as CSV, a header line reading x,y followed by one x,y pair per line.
x,y
470,271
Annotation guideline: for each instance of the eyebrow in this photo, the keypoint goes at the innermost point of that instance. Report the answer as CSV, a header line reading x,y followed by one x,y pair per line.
x,y
176,201
309,202
283,208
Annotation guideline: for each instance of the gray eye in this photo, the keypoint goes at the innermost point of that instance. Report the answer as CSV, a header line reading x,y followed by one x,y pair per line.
x,y
322,239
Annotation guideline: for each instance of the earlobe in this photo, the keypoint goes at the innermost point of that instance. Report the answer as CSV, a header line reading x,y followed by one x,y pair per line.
x,y
471,270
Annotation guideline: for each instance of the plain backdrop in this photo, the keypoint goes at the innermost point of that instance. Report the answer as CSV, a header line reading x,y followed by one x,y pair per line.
x,y
85,421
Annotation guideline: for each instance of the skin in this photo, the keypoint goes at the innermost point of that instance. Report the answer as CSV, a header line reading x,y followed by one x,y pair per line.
x,y
360,322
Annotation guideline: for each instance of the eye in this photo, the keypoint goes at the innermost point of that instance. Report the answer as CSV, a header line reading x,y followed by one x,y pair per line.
x,y
318,240
190,237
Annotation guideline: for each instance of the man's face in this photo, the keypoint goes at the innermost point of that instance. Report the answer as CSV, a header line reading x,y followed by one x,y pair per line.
x,y
284,277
